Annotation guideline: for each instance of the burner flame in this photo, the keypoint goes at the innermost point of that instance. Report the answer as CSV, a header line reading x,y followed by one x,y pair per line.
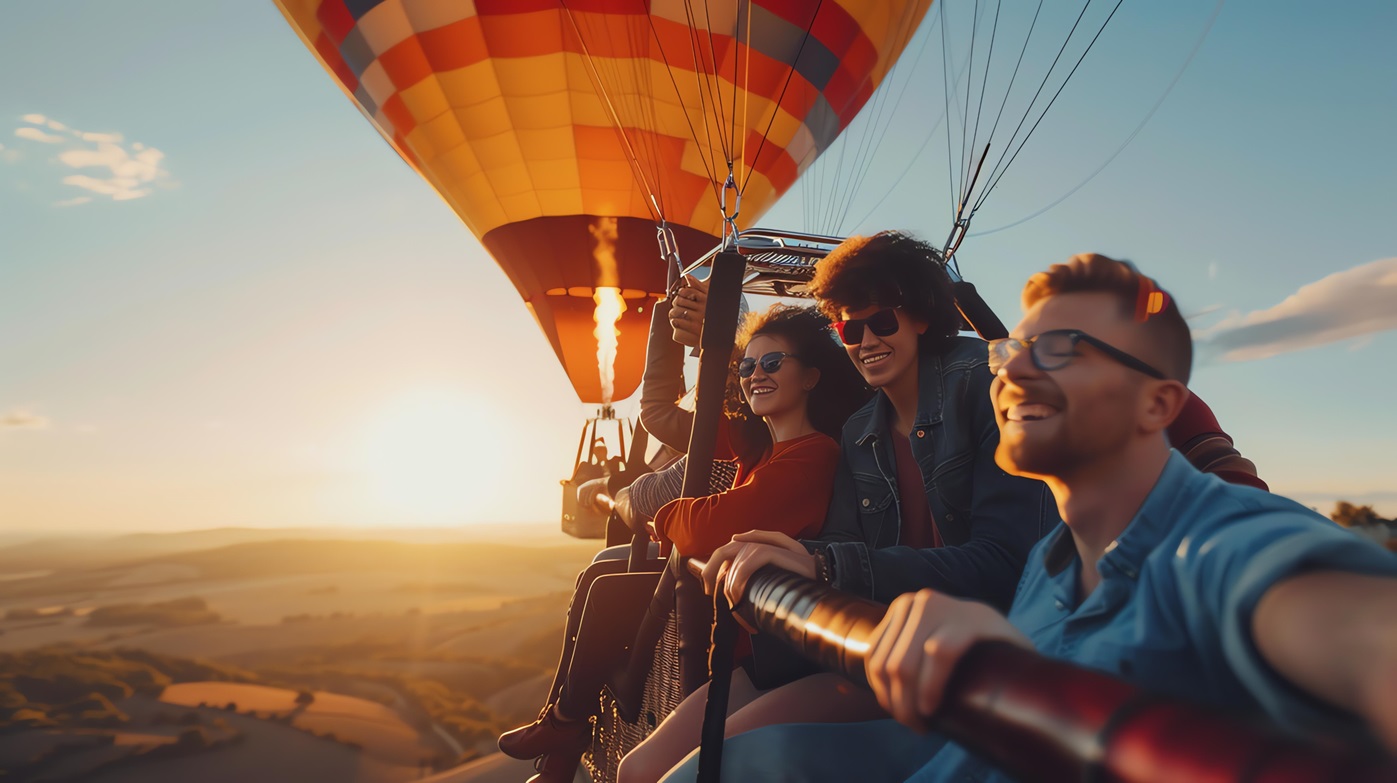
x,y
610,304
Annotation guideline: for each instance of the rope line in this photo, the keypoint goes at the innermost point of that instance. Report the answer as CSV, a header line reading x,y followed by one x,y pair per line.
x,y
1197,46
985,193
776,108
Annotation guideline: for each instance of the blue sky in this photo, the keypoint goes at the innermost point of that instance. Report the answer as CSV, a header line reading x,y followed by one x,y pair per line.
x,y
252,313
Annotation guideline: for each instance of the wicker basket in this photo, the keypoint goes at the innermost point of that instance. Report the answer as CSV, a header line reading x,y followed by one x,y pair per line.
x,y
612,736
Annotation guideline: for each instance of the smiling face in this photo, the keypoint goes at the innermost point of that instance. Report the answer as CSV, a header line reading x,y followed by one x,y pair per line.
x,y
884,361
780,392
1053,424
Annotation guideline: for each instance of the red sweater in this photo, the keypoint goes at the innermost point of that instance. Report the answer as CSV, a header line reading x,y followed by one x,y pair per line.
x,y
787,491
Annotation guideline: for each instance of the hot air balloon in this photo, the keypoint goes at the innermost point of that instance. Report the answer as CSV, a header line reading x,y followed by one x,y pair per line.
x,y
565,132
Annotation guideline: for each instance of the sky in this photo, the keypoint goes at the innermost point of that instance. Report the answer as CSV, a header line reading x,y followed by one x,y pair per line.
x,y
226,302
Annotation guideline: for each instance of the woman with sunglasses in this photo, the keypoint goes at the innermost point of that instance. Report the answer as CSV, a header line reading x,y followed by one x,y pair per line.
x,y
791,376
788,397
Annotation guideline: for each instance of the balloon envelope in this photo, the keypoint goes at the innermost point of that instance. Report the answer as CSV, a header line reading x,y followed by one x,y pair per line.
x,y
535,119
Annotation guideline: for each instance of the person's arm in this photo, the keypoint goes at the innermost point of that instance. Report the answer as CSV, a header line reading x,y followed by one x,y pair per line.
x,y
1198,436
1008,516
1334,634
1288,595
787,493
662,384
649,493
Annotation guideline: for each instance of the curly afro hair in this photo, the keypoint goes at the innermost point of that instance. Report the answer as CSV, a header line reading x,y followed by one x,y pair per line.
x,y
889,269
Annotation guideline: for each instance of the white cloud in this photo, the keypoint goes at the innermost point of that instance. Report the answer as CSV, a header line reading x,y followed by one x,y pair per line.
x,y
108,166
1213,271
34,134
1352,303
21,419
95,138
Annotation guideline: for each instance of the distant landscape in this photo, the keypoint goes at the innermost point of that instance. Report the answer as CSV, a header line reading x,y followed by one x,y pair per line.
x,y
275,655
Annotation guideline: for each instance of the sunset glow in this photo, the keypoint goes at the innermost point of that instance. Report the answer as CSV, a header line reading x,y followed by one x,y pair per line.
x,y
429,457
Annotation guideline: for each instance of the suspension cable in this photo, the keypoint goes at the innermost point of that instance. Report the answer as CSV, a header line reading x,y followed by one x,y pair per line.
x,y
776,108
611,109
1197,45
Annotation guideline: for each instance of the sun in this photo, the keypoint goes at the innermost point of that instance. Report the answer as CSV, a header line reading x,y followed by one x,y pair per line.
x,y
432,457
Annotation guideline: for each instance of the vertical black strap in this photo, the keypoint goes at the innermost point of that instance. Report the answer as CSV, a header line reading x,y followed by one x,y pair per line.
x,y
977,312
715,713
640,553
719,330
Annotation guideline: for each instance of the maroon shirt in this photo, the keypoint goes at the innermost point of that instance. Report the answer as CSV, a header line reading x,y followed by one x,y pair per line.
x,y
918,526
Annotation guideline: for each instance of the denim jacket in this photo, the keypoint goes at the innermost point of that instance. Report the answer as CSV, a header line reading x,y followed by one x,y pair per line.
x,y
988,520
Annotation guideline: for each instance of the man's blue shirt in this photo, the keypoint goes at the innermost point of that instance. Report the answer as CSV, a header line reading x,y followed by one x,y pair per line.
x,y
1172,614
1173,609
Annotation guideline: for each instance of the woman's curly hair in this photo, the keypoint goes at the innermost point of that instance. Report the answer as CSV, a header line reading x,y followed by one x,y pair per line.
x,y
840,391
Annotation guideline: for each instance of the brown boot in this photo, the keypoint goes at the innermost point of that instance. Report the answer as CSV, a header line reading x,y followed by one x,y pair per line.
x,y
543,736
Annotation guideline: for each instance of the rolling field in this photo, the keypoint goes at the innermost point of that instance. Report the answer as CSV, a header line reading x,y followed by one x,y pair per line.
x,y
335,660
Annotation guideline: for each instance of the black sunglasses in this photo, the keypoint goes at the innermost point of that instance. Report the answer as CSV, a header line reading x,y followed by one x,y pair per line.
x,y
770,362
1055,349
881,323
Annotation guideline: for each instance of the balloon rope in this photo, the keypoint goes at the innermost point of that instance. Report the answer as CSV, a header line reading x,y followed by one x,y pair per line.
x,y
965,156
984,79
1015,75
776,108
882,123
679,96
746,94
705,92
946,94
717,82
611,109
1003,165
1217,9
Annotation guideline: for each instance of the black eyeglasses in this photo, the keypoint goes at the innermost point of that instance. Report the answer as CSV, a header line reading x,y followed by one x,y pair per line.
x,y
881,323
1055,349
770,362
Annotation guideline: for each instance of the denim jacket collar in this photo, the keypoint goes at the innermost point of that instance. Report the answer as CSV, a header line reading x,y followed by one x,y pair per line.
x,y
1151,524
930,396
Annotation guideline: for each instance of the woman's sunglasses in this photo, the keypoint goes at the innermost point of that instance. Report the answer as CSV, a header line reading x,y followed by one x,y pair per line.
x,y
770,362
881,323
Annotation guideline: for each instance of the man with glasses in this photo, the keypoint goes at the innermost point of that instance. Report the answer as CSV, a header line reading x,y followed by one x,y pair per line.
x,y
1171,578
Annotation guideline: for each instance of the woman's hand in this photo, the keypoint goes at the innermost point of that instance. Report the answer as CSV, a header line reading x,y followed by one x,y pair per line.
x,y
732,564
917,645
686,311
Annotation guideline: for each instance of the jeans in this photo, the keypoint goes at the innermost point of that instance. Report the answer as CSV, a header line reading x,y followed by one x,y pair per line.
x,y
874,750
